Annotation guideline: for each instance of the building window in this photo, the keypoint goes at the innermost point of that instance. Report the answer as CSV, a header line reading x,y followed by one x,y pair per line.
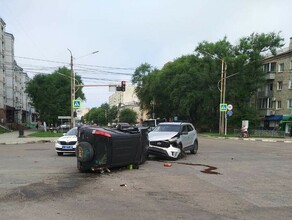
x,y
271,86
273,67
289,103
266,67
291,65
269,67
278,105
279,85
290,84
281,67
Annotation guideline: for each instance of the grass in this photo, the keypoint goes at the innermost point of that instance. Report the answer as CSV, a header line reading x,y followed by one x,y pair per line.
x,y
2,130
46,134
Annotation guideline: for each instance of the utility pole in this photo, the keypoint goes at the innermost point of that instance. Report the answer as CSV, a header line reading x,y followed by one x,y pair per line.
x,y
222,96
72,91
224,101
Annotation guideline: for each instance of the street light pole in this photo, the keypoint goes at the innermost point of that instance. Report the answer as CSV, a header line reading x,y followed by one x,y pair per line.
x,y
73,86
222,90
72,93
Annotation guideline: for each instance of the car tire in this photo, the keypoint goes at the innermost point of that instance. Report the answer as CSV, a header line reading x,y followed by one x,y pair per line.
x,y
180,155
84,152
194,150
60,153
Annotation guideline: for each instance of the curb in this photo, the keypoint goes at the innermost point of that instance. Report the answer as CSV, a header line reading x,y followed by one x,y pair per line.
x,y
28,142
254,139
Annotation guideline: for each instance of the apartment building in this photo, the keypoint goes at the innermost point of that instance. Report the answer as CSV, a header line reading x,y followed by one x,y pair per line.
x,y
127,99
15,106
274,100
2,112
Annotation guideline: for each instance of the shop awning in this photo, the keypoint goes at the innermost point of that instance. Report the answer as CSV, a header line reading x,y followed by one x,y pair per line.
x,y
274,118
287,118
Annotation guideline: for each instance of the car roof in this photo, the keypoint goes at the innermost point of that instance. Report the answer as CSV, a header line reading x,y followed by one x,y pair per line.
x,y
173,123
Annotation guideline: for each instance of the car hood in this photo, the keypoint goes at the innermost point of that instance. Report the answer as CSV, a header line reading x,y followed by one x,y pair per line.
x,y
68,138
159,136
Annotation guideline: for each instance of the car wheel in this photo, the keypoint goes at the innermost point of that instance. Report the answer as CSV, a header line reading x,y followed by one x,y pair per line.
x,y
60,153
194,150
181,154
84,152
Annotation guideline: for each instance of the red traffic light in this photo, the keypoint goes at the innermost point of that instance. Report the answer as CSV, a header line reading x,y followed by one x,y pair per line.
x,y
123,85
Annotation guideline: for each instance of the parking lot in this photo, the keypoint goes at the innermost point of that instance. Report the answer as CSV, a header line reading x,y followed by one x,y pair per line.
x,y
227,179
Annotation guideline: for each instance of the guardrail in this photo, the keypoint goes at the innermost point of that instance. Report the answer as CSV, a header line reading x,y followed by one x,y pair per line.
x,y
263,133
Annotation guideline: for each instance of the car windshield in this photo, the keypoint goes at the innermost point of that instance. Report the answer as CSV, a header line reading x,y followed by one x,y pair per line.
x,y
73,131
166,128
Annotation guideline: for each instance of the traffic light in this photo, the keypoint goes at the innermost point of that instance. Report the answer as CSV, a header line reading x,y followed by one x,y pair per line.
x,y
123,85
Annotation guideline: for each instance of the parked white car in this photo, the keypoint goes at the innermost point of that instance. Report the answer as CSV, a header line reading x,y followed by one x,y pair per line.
x,y
67,143
169,139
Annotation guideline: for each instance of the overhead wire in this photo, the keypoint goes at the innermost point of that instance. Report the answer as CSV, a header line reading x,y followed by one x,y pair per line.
x,y
82,70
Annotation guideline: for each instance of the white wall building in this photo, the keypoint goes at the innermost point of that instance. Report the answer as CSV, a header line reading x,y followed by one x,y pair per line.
x,y
15,106
126,99
2,69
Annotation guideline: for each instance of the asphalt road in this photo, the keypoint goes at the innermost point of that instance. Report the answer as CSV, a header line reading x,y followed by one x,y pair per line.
x,y
227,179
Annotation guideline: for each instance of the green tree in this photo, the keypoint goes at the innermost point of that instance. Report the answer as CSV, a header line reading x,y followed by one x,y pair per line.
x,y
143,70
188,86
50,94
128,115
102,115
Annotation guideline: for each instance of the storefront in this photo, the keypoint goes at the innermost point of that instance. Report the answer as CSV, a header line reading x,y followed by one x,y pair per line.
x,y
272,122
285,123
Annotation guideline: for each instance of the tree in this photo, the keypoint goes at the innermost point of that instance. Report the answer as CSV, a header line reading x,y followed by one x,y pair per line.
x,y
50,94
102,115
143,70
188,86
128,115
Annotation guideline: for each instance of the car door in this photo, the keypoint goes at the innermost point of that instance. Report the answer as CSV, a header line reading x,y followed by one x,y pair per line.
x,y
185,136
191,134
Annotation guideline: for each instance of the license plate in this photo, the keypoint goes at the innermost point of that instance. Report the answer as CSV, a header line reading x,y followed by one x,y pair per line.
x,y
67,147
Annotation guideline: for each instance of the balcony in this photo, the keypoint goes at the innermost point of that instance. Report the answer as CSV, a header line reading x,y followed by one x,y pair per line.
x,y
270,76
265,94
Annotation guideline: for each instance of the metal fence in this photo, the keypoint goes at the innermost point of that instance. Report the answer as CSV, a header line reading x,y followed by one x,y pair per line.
x,y
262,133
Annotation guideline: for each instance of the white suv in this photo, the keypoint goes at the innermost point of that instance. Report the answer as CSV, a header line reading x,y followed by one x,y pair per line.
x,y
169,139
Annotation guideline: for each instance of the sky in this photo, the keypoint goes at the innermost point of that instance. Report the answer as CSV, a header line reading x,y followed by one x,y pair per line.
x,y
128,33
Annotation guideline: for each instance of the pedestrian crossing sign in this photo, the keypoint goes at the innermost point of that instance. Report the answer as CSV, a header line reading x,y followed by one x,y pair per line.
x,y
76,104
223,107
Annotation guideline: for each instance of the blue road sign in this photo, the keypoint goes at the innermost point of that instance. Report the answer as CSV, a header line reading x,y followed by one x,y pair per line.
x,y
229,113
76,103
223,107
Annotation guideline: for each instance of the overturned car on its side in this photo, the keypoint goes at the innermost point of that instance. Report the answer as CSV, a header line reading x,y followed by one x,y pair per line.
x,y
102,148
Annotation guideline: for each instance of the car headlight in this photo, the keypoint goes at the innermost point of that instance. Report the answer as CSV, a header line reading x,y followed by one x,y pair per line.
x,y
173,141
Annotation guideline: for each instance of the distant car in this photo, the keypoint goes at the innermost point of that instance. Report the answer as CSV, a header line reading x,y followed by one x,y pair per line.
x,y
152,123
67,143
123,125
64,127
169,139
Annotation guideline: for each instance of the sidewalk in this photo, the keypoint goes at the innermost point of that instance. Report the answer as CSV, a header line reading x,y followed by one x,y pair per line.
x,y
13,138
287,140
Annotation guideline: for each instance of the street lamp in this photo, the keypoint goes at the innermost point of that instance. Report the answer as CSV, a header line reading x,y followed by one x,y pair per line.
x,y
72,93
222,90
